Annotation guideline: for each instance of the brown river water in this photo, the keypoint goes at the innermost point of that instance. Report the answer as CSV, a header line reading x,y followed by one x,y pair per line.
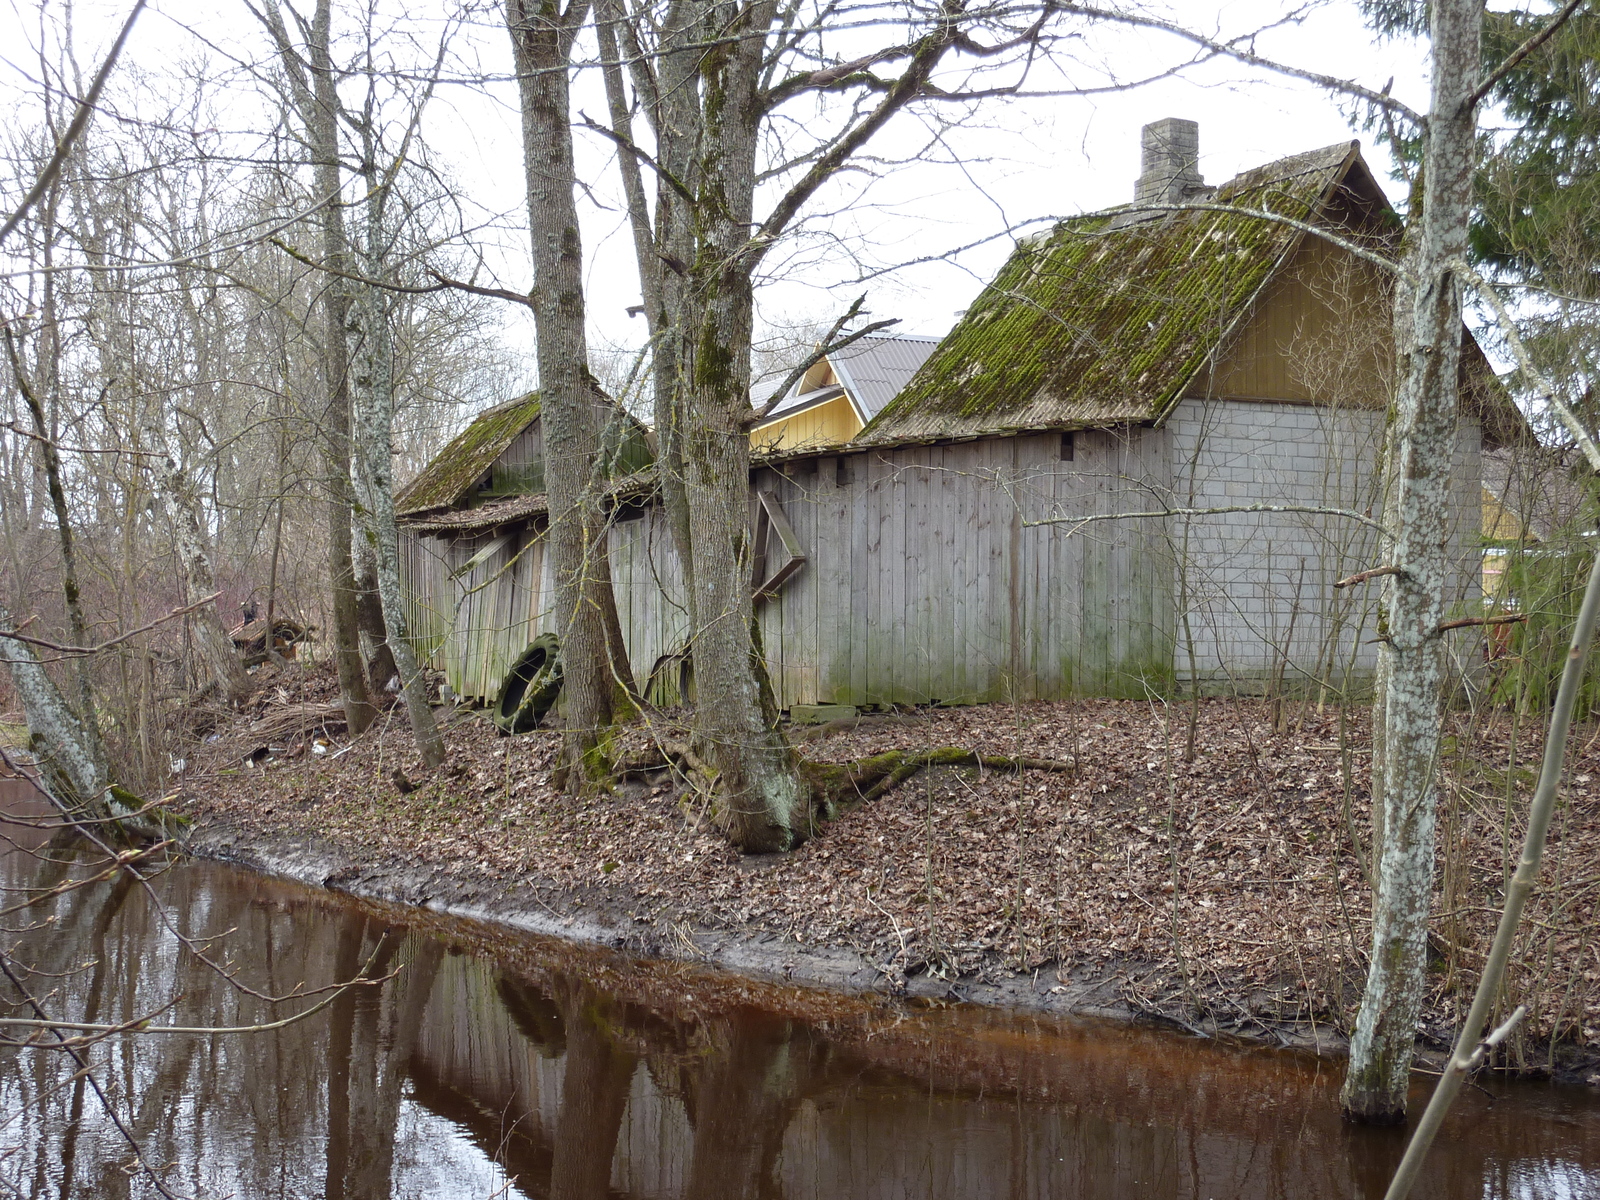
x,y
494,1065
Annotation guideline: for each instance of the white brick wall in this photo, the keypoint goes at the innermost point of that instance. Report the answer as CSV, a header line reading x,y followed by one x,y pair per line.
x,y
1259,585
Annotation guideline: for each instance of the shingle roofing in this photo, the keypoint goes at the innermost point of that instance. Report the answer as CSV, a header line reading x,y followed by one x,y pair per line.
x,y
1104,320
448,478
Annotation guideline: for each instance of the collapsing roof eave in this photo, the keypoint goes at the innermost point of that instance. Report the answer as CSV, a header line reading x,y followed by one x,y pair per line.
x,y
448,478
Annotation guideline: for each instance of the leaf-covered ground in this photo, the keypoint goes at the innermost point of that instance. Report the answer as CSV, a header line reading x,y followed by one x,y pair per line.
x,y
1225,889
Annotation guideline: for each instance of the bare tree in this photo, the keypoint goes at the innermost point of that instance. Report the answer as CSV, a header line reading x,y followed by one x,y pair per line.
x,y
709,77
573,411
313,89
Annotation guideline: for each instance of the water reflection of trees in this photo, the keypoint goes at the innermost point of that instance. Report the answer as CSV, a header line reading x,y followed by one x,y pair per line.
x,y
586,1081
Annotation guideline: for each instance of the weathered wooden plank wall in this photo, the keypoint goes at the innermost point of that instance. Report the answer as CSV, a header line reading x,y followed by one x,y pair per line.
x,y
648,585
925,583
472,624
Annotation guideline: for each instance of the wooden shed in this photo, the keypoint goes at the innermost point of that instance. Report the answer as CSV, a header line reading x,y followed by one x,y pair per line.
x,y
1002,526
472,542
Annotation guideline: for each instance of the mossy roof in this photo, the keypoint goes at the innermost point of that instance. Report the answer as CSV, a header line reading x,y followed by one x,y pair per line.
x,y
1106,320
447,480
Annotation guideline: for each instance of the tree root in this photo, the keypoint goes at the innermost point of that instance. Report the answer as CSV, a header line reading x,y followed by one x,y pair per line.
x,y
836,788
839,787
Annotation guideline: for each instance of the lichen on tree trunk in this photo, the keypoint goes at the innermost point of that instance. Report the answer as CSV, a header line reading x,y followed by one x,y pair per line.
x,y
1421,463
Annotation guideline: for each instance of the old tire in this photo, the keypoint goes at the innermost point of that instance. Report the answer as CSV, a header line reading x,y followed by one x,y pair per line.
x,y
530,688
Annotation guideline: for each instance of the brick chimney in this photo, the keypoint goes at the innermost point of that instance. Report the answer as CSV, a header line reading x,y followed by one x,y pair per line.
x,y
1169,162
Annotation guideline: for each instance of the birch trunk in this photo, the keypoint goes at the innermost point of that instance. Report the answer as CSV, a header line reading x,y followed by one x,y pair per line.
x,y
44,439
222,662
572,409
1421,465
374,419
69,754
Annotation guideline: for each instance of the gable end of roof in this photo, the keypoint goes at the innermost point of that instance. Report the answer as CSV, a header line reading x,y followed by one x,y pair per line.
x,y
448,478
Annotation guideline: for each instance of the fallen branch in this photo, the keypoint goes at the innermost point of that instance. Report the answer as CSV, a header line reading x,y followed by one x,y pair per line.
x,y
298,720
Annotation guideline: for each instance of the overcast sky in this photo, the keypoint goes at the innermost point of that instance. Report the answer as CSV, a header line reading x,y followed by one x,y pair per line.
x,y
1018,163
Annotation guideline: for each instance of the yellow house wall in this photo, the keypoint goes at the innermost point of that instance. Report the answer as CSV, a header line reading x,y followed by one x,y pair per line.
x,y
827,424
1499,523
1320,334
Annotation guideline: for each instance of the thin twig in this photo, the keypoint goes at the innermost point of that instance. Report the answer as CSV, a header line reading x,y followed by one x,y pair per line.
x,y
1468,1053
79,651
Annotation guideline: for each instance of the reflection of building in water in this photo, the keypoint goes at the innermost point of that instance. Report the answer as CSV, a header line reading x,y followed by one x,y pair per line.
x,y
943,1105
456,1075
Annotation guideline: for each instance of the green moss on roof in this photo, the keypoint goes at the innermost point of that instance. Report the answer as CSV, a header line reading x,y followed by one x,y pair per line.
x,y
448,478
1101,322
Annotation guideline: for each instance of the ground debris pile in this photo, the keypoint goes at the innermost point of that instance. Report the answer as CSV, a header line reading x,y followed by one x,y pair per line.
x,y
1225,892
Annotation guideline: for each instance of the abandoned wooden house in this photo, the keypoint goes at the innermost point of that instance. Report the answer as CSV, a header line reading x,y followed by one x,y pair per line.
x,y
1004,526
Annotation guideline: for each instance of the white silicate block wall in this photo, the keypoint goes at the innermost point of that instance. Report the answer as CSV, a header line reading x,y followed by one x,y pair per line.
x,y
1257,587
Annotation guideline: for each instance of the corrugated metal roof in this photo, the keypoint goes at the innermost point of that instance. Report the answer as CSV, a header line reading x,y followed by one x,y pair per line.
x,y
871,370
1105,321
799,401
874,369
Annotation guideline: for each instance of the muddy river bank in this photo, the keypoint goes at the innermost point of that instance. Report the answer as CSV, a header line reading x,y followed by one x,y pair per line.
x,y
492,1061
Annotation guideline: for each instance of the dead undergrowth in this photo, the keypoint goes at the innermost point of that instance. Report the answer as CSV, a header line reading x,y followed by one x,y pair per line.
x,y
1227,890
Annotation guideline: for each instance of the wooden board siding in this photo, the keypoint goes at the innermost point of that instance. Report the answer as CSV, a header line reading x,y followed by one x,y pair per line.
x,y
648,586
472,625
831,423
520,467
925,580
1321,332
924,583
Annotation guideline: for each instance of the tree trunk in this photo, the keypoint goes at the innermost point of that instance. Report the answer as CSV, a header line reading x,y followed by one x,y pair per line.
x,y
74,770
319,104
708,131
762,802
374,419
594,1096
313,94
222,660
572,409
51,459
1381,1047
376,656
749,1087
